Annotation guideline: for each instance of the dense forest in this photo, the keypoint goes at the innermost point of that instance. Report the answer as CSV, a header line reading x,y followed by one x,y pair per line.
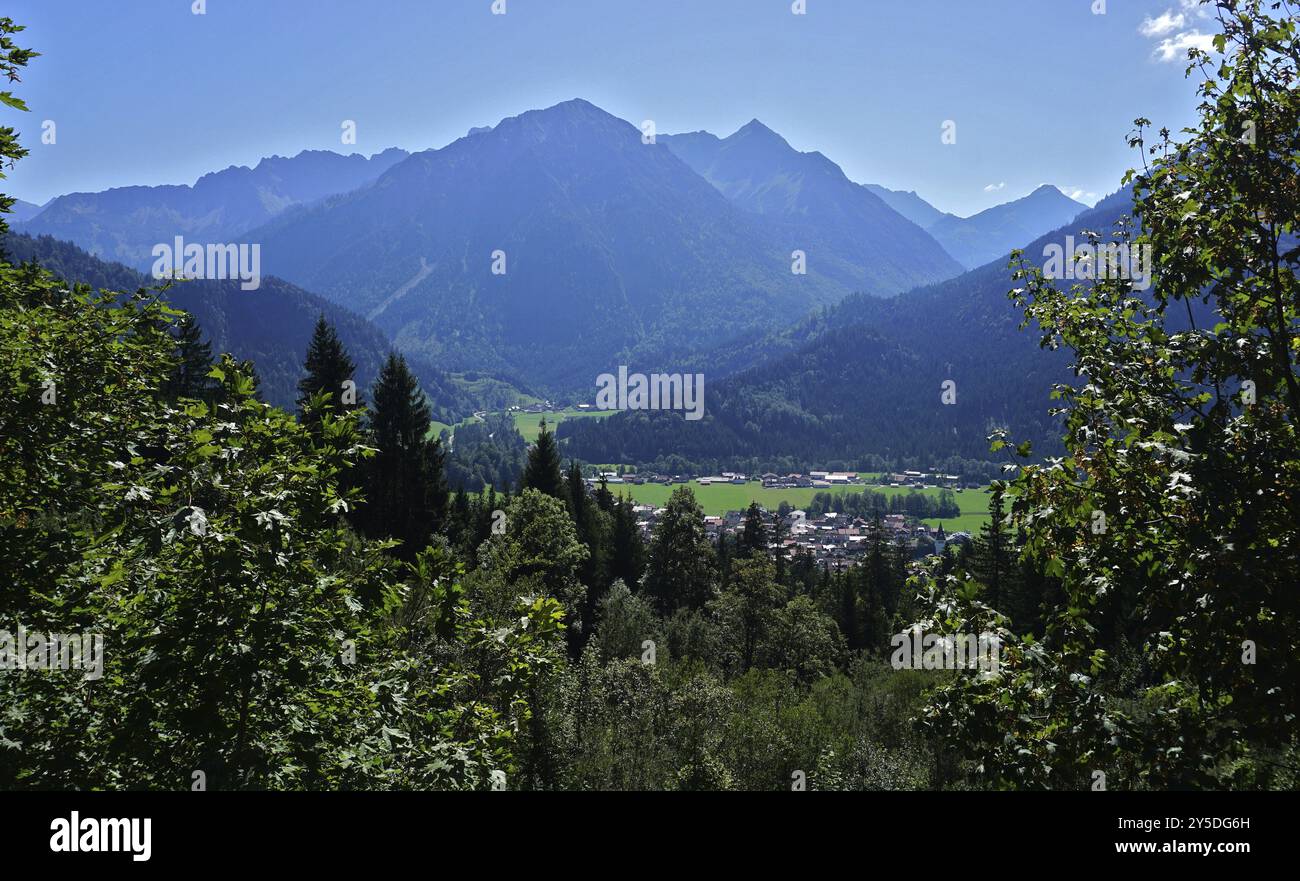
x,y
314,596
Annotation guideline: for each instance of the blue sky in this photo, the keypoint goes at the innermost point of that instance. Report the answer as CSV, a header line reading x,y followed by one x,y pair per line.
x,y
146,92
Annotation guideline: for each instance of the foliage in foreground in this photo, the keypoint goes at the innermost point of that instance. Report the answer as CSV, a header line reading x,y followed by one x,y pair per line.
x,y
248,633
1173,656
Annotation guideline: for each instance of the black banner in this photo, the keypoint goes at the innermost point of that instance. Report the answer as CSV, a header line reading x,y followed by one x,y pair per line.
x,y
139,831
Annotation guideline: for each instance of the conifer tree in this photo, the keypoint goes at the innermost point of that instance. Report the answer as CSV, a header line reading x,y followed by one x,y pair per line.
x,y
189,379
459,519
989,552
753,537
628,548
406,489
604,498
329,371
542,472
593,528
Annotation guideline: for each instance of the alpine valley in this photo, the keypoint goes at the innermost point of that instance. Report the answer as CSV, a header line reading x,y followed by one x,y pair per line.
x,y
560,245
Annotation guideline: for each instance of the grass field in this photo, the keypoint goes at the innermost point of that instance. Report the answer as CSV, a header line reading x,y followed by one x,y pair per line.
x,y
719,498
436,428
530,424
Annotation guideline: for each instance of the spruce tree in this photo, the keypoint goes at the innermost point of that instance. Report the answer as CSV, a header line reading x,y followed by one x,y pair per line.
x,y
329,370
628,554
542,472
990,564
576,496
604,498
190,378
753,537
594,532
848,610
406,489
459,519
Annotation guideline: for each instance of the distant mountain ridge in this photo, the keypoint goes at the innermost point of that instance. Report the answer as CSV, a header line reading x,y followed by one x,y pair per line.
x,y
608,250
910,205
994,232
22,211
864,377
124,223
272,326
858,237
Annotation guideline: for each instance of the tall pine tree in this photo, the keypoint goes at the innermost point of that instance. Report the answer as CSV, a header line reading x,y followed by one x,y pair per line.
x,y
991,564
406,489
330,371
543,469
753,536
190,378
628,554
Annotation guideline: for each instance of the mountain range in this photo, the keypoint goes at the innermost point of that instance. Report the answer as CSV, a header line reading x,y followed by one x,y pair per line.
x,y
124,223
21,211
867,377
560,243
847,230
271,326
993,233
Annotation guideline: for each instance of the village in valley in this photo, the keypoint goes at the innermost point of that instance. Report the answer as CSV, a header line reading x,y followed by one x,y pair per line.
x,y
820,518
836,538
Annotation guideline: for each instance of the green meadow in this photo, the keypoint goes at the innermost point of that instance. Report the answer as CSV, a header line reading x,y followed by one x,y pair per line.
x,y
530,424
719,498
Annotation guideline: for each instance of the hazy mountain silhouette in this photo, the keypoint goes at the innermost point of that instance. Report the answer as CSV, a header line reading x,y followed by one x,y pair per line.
x,y
125,223
846,230
271,325
613,250
993,233
867,375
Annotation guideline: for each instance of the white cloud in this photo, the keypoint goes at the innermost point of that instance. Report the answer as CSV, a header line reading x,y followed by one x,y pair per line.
x,y
1166,22
1175,48
993,188
1172,30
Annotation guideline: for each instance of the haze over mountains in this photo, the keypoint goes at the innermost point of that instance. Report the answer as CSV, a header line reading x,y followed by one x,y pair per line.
x,y
271,326
558,244
124,223
605,239
866,376
909,204
23,211
993,233
849,231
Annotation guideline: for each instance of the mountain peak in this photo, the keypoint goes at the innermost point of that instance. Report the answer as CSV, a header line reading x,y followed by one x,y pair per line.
x,y
755,130
572,115
574,107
